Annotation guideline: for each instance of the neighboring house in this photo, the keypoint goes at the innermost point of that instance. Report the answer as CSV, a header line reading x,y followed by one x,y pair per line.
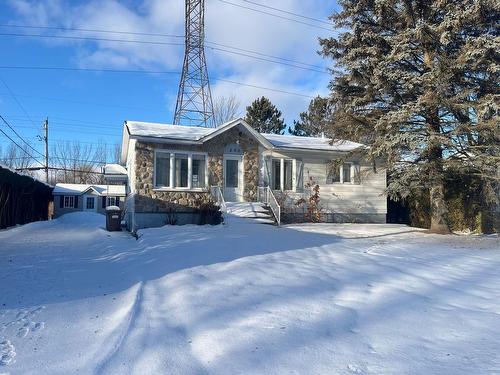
x,y
172,170
92,198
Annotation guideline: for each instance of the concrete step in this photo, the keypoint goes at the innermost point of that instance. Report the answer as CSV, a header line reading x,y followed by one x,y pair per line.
x,y
250,210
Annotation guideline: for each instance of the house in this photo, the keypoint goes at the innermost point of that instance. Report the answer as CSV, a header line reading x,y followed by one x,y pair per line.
x,y
175,170
82,197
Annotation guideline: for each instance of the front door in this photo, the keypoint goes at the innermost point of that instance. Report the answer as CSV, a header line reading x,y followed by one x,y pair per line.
x,y
233,178
89,203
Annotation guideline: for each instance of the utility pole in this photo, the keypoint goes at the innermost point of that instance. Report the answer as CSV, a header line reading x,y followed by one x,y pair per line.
x,y
46,140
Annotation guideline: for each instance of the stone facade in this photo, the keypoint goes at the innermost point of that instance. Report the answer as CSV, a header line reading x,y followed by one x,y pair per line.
x,y
155,201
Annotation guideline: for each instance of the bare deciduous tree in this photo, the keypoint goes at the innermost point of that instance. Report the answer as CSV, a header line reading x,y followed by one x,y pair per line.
x,y
226,109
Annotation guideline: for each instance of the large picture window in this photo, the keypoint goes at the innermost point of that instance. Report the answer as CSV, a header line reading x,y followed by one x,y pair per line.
x,y
180,170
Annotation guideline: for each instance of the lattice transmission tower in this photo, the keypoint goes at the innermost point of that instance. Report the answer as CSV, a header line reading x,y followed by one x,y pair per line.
x,y
194,99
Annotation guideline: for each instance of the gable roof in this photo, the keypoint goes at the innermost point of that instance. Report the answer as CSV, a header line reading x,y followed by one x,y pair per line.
x,y
79,189
199,135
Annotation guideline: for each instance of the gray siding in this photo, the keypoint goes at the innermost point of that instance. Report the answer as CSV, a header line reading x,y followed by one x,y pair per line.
x,y
368,197
59,211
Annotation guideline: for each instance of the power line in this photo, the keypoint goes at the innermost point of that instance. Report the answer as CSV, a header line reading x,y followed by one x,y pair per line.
x,y
92,38
160,35
17,101
58,169
274,15
20,147
21,138
91,30
155,72
324,71
287,12
265,55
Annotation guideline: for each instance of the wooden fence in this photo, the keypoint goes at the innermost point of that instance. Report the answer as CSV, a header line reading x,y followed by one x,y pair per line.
x,y
23,199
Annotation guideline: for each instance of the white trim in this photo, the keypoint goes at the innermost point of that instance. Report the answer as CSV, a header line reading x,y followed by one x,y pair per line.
x,y
84,203
341,174
221,129
71,201
190,171
241,172
282,174
171,186
108,201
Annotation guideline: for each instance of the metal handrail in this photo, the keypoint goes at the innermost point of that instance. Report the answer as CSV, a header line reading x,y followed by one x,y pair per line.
x,y
216,193
273,203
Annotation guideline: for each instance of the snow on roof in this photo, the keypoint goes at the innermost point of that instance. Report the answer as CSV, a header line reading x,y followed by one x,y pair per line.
x,y
24,175
114,169
157,130
78,189
310,143
197,133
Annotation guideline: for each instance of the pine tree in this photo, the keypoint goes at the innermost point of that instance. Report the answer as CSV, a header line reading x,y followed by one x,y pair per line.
x,y
314,121
264,117
419,79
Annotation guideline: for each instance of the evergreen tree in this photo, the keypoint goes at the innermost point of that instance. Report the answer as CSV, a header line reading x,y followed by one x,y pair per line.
x,y
314,121
264,117
419,79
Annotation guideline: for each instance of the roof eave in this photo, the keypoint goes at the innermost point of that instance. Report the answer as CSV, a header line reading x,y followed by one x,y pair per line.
x,y
165,140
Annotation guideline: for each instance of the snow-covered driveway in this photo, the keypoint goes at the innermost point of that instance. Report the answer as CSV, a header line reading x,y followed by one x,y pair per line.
x,y
247,298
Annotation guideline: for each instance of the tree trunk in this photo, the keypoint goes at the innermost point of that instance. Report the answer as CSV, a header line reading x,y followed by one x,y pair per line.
x,y
490,221
439,210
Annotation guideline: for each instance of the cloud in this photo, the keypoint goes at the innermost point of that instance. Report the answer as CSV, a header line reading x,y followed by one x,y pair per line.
x,y
225,24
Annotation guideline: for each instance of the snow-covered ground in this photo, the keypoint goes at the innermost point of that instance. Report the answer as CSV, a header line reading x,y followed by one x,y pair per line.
x,y
247,298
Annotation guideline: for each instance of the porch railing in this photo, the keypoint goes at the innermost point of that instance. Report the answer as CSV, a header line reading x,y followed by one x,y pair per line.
x,y
218,197
266,196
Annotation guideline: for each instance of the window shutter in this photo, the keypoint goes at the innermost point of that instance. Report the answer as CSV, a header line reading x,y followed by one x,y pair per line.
x,y
61,201
300,175
76,201
103,202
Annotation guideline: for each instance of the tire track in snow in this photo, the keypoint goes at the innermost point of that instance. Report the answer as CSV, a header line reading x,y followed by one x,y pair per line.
x,y
132,314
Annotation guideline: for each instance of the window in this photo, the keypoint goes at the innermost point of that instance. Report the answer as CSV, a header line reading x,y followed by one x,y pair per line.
x,y
180,170
232,173
287,174
357,174
110,201
69,202
162,172
332,172
346,173
276,177
90,203
198,174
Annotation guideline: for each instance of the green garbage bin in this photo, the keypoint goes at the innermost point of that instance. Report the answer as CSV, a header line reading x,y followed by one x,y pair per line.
x,y
113,219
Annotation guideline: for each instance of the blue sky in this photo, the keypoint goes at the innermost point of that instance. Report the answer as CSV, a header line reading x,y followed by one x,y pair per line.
x,y
91,106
